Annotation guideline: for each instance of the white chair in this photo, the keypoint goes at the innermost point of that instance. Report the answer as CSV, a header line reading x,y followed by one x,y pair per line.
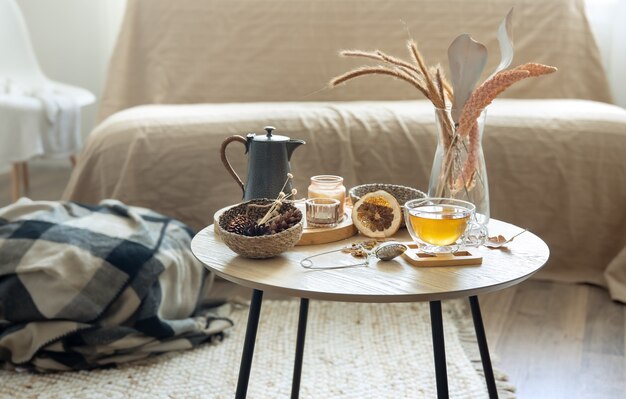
x,y
27,115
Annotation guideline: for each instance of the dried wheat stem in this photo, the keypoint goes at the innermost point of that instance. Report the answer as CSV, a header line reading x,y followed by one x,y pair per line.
x,y
415,75
430,85
440,88
467,176
380,70
448,126
361,54
380,56
447,164
393,60
419,77
448,88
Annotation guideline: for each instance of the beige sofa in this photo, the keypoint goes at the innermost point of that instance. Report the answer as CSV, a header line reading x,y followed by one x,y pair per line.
x,y
554,149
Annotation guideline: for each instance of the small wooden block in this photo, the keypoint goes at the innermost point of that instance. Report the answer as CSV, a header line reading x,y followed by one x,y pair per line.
x,y
461,258
314,236
323,235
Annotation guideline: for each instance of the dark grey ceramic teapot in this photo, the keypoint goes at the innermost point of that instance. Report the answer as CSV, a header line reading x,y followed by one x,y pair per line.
x,y
268,163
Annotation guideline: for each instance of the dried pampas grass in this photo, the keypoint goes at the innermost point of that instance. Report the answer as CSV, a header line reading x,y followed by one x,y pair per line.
x,y
430,82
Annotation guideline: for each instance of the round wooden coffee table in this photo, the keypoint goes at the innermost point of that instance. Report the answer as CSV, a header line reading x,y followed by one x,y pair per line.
x,y
390,281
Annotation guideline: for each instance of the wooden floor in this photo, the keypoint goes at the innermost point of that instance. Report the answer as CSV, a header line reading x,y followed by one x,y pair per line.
x,y
47,182
554,340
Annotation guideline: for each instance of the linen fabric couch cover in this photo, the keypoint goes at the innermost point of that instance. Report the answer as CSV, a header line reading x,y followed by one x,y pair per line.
x,y
555,166
208,51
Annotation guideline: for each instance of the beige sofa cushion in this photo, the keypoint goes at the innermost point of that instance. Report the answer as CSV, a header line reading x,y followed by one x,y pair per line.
x,y
214,51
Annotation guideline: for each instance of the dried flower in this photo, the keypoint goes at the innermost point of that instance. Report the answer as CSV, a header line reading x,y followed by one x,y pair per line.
x,y
379,70
477,102
417,74
490,89
433,85
536,69
434,94
278,202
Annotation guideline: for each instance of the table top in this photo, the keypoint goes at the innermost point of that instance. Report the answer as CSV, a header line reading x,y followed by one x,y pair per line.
x,y
381,281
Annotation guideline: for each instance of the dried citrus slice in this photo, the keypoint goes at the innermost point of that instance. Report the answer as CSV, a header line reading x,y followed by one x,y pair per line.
x,y
377,214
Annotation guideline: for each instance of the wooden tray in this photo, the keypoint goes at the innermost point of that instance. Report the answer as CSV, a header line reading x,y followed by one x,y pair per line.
x,y
461,258
315,235
312,236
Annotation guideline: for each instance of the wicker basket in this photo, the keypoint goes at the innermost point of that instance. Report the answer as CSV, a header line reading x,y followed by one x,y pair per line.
x,y
401,193
261,246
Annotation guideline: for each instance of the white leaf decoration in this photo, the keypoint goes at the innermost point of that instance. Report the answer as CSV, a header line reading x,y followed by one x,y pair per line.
x,y
467,59
505,40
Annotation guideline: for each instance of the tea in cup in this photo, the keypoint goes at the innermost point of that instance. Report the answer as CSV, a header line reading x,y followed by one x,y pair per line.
x,y
438,225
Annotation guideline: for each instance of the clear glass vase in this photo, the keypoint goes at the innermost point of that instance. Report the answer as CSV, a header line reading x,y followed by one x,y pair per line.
x,y
459,166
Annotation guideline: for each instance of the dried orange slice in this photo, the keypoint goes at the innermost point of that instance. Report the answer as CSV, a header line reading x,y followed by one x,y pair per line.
x,y
377,214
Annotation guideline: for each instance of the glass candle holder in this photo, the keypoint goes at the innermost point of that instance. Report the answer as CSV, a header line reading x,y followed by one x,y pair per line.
x,y
322,212
328,186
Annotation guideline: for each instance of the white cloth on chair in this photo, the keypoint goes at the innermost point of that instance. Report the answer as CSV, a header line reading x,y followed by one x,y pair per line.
x,y
62,136
44,122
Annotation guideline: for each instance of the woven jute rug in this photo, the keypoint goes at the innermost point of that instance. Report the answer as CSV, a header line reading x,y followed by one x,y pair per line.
x,y
351,351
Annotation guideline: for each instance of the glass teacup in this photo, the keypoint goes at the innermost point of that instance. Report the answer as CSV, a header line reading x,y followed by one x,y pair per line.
x,y
443,225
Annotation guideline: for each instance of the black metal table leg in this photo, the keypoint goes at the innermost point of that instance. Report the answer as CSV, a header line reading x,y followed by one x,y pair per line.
x,y
482,346
439,349
297,368
248,345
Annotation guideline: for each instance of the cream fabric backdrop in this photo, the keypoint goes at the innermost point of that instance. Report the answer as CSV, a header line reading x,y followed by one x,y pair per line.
x,y
191,51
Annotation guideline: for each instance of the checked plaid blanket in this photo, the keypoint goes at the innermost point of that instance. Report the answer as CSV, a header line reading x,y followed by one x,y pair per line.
x,y
88,286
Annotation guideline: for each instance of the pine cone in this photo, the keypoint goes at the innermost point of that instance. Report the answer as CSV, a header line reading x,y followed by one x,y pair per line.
x,y
285,221
255,230
239,224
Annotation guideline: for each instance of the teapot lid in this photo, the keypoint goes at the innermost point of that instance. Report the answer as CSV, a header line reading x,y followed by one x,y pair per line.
x,y
269,137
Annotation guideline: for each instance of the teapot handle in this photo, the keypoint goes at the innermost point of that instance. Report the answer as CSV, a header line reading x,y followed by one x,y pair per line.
x,y
227,164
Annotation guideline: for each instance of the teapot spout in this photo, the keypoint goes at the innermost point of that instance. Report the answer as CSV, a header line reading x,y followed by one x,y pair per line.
x,y
292,145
